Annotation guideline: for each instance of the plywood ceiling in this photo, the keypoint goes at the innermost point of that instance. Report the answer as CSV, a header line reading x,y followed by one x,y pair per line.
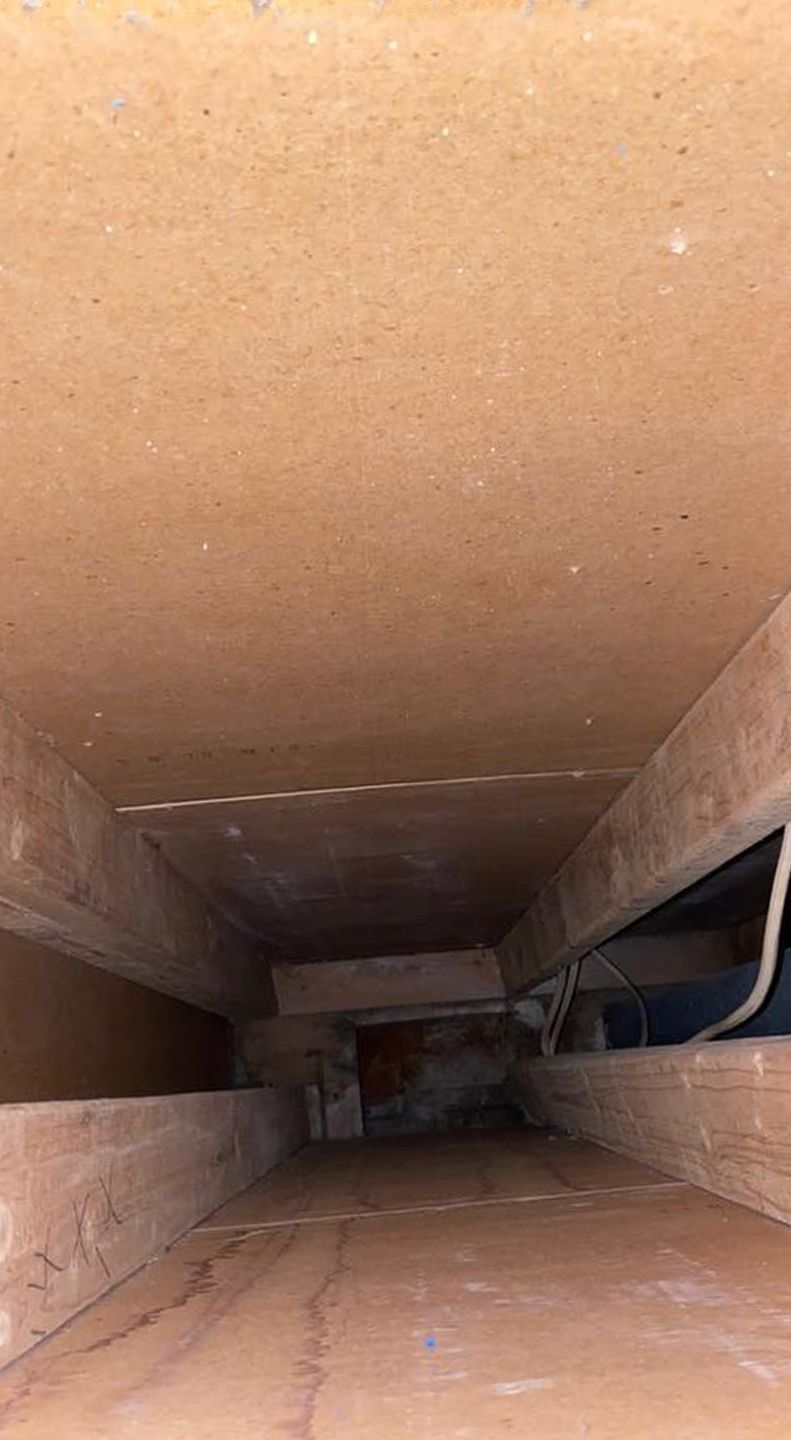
x,y
391,393
384,870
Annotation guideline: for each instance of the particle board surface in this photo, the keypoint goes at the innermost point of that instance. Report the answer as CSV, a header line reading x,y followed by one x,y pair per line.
x,y
349,874
650,1312
422,1171
389,392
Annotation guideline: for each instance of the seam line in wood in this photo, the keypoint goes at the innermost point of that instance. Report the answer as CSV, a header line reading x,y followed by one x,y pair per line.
x,y
437,1209
618,773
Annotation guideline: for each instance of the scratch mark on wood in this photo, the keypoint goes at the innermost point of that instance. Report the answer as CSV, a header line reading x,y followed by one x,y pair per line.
x,y
103,1262
79,1221
107,1187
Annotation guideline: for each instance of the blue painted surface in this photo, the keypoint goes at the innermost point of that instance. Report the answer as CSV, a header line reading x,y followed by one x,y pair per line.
x,y
676,1014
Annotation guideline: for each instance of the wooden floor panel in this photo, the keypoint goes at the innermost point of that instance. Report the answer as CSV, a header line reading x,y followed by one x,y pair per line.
x,y
614,1311
354,1177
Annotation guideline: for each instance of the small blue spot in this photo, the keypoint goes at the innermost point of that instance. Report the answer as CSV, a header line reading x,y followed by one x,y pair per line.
x,y
430,1342
620,149
117,103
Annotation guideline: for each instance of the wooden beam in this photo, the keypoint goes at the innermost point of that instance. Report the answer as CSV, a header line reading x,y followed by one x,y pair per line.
x,y
718,1115
719,783
389,981
93,1188
78,877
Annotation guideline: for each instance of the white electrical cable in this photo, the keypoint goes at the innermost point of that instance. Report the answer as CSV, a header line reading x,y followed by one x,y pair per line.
x,y
566,987
770,950
631,987
563,998
549,1018
561,981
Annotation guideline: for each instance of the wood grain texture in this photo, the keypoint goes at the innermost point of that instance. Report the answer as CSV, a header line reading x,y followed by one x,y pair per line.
x,y
719,783
89,1190
80,878
390,980
718,1115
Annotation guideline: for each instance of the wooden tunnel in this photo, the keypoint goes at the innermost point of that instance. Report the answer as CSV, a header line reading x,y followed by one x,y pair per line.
x,y
394,571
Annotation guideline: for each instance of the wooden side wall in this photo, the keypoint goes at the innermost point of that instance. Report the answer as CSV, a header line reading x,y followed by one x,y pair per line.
x,y
74,1032
718,1114
90,1190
